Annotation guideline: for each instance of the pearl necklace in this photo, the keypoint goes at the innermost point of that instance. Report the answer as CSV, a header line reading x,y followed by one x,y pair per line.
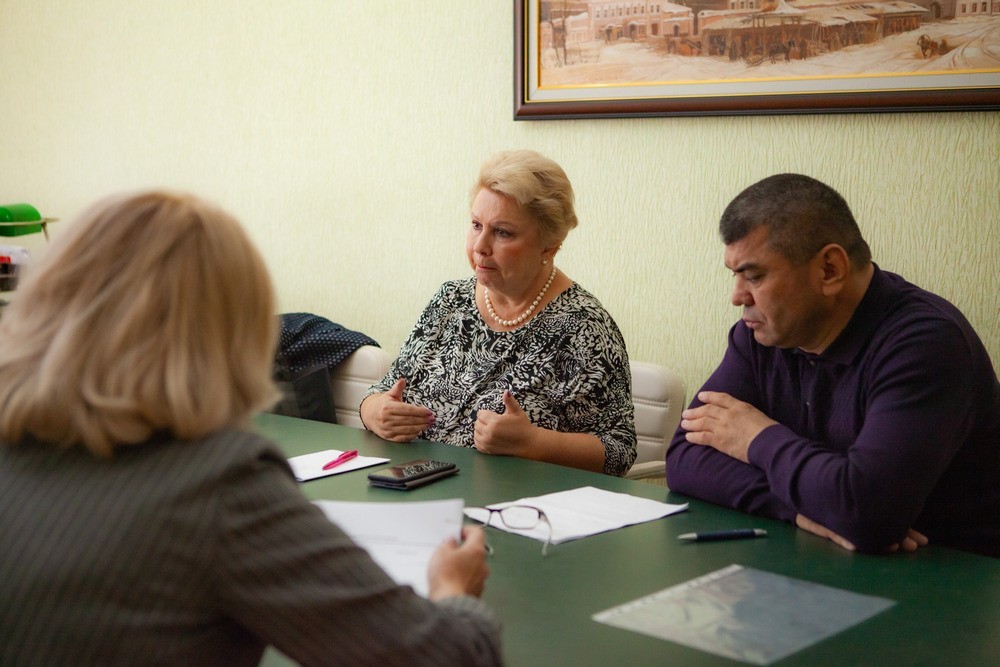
x,y
516,321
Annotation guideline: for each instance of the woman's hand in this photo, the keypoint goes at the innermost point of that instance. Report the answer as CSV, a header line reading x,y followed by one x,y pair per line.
x,y
389,417
508,433
513,434
459,569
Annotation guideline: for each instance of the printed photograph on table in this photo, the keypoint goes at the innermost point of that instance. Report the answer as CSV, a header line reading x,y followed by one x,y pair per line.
x,y
621,58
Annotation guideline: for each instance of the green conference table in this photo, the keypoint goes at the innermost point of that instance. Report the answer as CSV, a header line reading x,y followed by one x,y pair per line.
x,y
947,607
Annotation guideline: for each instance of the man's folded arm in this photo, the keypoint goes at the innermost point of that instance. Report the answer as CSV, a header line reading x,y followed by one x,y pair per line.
x,y
918,415
703,472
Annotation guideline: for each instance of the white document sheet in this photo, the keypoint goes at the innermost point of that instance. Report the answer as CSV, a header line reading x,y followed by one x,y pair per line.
x,y
310,466
581,512
400,537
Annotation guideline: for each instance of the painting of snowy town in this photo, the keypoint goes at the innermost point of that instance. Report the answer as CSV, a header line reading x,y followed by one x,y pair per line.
x,y
590,45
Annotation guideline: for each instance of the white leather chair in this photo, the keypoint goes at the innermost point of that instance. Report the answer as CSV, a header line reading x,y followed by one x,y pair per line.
x,y
658,396
351,378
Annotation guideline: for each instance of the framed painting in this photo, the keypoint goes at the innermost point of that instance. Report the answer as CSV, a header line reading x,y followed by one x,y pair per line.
x,y
627,58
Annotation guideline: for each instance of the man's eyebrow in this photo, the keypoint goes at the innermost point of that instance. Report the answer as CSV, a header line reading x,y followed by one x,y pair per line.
x,y
746,266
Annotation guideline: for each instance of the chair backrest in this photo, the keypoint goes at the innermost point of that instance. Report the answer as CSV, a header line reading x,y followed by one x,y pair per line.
x,y
658,396
351,378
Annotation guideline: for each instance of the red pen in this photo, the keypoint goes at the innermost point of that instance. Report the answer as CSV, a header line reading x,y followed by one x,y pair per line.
x,y
343,458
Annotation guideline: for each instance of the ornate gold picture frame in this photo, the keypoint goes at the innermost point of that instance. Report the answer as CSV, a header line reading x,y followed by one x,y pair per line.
x,y
621,58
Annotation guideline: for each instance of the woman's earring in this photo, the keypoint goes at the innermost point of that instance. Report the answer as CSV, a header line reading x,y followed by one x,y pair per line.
x,y
545,261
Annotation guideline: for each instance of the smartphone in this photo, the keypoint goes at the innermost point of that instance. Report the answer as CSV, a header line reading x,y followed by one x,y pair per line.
x,y
411,474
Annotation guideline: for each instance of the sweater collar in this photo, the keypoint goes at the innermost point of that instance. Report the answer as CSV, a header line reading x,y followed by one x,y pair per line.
x,y
873,308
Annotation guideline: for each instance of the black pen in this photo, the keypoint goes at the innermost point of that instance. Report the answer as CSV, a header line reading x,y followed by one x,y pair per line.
x,y
737,534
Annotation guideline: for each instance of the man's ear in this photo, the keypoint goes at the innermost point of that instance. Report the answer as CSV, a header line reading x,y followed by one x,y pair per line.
x,y
835,266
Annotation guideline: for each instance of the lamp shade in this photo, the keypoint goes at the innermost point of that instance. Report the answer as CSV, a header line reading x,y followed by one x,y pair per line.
x,y
19,213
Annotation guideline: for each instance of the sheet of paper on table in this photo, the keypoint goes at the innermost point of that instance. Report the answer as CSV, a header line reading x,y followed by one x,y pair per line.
x,y
310,466
581,512
400,537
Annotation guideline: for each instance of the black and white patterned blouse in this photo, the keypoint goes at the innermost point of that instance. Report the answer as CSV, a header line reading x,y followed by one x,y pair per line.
x,y
567,367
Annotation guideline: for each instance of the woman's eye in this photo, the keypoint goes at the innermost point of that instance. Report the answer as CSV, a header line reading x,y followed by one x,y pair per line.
x,y
503,233
477,225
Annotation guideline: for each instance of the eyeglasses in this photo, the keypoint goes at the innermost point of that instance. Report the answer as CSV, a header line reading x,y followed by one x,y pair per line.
x,y
519,517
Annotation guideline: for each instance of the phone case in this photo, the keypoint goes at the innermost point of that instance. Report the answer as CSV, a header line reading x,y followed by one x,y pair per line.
x,y
412,474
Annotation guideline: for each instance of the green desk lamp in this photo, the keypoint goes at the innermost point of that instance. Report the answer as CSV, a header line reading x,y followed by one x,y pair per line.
x,y
17,220
21,219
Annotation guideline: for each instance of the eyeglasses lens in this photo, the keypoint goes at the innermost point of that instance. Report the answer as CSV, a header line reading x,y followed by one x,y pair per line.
x,y
523,518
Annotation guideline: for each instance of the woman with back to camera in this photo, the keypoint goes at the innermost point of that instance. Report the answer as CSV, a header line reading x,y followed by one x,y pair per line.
x,y
140,520
518,360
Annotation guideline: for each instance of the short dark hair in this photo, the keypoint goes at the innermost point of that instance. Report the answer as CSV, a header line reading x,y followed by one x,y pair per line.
x,y
801,215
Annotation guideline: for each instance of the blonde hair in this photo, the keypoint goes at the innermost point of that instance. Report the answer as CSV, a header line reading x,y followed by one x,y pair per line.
x,y
152,313
537,184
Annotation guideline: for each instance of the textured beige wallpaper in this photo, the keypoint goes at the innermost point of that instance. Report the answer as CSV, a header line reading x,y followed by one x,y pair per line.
x,y
346,134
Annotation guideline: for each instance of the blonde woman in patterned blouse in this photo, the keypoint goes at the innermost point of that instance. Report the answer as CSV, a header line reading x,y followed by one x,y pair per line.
x,y
517,360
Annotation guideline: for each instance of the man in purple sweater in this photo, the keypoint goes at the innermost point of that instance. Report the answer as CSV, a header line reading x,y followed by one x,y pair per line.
x,y
851,402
